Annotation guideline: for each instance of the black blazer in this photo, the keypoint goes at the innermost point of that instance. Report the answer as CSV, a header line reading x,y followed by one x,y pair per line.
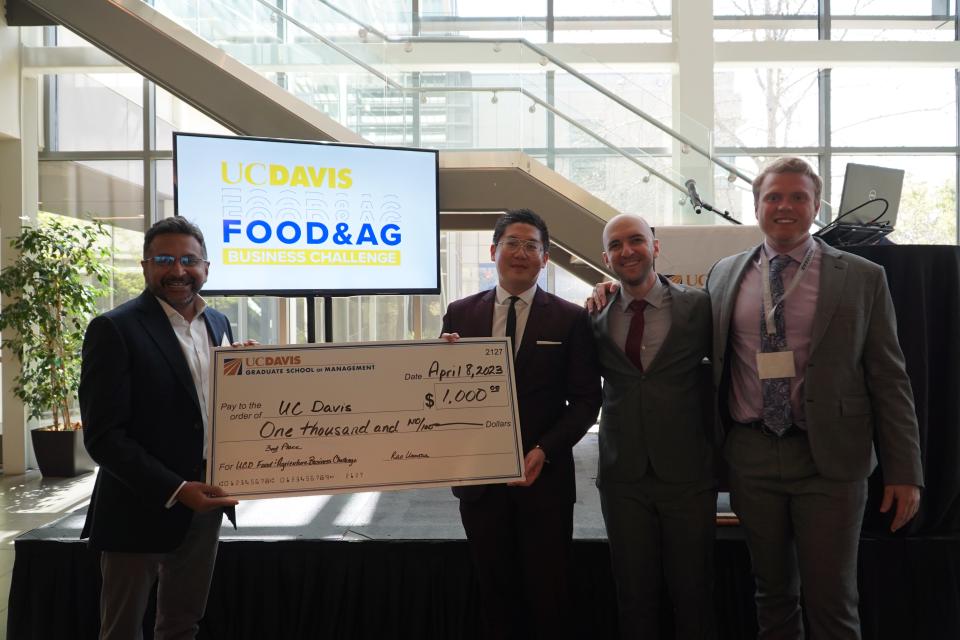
x,y
142,424
557,383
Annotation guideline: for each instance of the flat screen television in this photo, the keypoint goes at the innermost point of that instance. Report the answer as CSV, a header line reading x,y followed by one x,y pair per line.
x,y
297,218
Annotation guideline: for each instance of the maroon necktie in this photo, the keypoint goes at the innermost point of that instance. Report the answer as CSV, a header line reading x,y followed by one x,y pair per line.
x,y
634,345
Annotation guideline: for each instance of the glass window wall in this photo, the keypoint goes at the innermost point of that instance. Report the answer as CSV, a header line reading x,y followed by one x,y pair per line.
x,y
898,107
110,191
117,101
97,161
766,107
174,114
892,20
776,21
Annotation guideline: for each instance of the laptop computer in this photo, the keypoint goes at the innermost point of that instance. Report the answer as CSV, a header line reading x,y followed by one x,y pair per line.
x,y
868,206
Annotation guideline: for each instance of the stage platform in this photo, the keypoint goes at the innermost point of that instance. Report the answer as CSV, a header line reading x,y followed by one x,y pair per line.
x,y
397,565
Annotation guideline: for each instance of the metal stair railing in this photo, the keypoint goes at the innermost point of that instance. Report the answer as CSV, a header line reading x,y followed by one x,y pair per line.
x,y
367,29
393,84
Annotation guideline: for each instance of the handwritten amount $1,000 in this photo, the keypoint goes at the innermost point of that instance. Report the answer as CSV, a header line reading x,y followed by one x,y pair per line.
x,y
462,396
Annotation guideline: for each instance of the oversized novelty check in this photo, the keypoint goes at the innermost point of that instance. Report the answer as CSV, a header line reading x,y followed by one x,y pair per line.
x,y
334,418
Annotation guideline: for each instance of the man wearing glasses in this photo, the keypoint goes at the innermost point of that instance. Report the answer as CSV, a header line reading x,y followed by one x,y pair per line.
x,y
143,386
520,534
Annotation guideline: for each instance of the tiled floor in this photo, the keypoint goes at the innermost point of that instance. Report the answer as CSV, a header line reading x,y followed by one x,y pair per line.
x,y
27,502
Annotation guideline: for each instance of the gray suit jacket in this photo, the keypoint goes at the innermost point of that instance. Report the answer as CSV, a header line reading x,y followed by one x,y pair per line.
x,y
856,386
661,416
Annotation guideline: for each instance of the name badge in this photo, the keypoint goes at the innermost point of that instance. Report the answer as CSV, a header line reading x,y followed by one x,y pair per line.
x,y
777,364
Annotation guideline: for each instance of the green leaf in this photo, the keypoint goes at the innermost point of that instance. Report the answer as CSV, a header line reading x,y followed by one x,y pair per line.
x,y
51,293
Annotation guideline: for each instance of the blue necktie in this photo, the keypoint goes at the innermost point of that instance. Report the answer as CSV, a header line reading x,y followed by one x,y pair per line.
x,y
777,412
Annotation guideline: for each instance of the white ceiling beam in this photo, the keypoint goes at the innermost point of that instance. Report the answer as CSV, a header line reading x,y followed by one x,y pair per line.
x,y
838,54
433,57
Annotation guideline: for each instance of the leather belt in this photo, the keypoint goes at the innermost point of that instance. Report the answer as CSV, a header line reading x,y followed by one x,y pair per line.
x,y
758,425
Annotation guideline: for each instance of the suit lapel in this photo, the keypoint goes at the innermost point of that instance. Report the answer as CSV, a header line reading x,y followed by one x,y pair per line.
x,y
157,326
482,320
215,332
603,321
680,308
620,359
603,317
539,311
833,273
732,286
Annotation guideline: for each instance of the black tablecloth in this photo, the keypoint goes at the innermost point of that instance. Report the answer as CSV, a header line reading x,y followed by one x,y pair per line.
x,y
379,590
925,285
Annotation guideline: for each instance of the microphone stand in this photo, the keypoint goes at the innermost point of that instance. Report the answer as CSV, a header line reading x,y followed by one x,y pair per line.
x,y
698,204
709,207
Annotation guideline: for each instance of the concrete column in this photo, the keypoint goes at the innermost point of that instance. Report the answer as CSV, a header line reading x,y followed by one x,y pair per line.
x,y
14,441
11,202
693,100
19,194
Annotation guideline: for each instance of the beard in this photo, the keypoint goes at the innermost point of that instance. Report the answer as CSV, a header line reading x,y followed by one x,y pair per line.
x,y
178,298
638,278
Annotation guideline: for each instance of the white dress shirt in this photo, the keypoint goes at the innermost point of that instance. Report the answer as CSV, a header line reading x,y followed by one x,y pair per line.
x,y
522,309
194,341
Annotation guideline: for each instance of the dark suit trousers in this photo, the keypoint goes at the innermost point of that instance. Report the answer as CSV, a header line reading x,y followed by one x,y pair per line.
x,y
800,528
183,581
521,550
658,530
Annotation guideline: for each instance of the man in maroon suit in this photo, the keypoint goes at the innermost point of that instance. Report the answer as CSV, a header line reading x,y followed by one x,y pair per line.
x,y
520,534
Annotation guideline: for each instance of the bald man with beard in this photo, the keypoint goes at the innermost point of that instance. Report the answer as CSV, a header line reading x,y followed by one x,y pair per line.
x,y
655,475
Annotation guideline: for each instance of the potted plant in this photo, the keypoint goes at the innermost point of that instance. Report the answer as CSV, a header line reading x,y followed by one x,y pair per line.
x,y
51,293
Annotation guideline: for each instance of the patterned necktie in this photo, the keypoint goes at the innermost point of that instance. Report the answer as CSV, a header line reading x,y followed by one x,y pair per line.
x,y
634,345
777,412
511,331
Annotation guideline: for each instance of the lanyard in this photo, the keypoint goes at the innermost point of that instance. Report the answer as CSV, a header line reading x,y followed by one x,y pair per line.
x,y
768,302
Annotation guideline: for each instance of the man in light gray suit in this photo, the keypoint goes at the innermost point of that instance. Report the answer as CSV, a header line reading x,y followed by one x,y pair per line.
x,y
809,376
655,476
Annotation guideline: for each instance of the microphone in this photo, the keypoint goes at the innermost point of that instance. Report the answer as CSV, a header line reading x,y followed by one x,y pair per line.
x,y
695,200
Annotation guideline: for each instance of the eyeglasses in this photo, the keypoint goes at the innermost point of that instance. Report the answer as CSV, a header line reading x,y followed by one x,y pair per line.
x,y
167,261
514,245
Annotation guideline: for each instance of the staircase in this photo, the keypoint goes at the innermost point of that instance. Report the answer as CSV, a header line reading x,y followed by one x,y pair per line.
x,y
474,184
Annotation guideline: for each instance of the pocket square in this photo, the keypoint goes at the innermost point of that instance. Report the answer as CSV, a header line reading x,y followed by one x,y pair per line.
x,y
548,342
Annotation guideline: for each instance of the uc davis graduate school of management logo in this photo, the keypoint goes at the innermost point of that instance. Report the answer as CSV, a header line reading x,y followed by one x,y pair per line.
x,y
233,366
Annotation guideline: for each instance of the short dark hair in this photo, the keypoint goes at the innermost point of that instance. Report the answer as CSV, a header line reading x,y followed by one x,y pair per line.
x,y
788,164
175,224
524,216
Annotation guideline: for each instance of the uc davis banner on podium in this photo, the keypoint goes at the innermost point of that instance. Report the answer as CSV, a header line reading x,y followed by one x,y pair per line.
x,y
287,217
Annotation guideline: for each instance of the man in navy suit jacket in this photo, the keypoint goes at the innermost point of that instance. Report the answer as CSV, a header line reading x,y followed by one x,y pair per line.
x,y
143,389
520,535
